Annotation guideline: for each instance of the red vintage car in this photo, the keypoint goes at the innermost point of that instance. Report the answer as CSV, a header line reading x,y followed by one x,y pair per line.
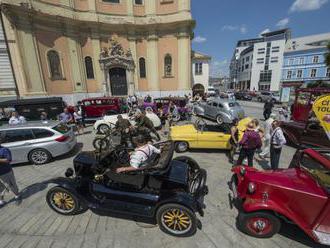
x,y
299,195
99,106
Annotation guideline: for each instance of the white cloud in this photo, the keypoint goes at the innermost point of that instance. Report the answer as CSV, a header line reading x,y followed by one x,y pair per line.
x,y
219,68
241,28
283,23
199,39
307,5
267,30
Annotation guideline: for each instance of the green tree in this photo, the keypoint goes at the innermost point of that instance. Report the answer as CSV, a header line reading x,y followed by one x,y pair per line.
x,y
327,56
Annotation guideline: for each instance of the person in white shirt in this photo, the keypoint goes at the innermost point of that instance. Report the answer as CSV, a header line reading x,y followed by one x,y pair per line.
x,y
277,141
140,155
16,119
267,135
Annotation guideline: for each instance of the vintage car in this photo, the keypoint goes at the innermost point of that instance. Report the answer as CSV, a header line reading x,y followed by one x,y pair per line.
x,y
298,195
32,108
205,136
220,110
99,106
243,95
180,102
308,134
109,121
166,191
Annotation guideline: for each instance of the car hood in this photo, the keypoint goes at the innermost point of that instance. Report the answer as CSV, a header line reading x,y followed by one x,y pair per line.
x,y
294,179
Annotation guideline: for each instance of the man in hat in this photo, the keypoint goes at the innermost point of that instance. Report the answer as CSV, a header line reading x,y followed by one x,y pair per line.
x,y
250,142
143,122
7,177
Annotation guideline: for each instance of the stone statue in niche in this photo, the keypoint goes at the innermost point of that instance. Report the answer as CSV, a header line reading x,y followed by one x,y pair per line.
x,y
104,52
116,48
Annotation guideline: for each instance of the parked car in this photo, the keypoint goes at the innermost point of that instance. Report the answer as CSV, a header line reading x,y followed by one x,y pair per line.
x,y
109,121
204,136
267,95
166,191
245,96
37,142
219,110
180,102
99,106
310,134
299,195
31,108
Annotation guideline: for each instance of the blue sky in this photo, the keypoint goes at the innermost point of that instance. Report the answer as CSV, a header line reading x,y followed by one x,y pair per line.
x,y
221,23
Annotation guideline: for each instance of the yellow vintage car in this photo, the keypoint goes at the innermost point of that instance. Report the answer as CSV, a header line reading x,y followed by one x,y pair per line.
x,y
202,135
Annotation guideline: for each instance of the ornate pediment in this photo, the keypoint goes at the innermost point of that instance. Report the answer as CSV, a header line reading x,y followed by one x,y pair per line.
x,y
116,56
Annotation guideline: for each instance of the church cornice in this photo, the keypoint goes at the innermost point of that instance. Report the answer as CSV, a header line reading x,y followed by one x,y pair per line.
x,y
66,13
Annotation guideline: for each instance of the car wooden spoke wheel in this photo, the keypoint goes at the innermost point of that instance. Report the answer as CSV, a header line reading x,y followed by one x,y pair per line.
x,y
63,201
176,220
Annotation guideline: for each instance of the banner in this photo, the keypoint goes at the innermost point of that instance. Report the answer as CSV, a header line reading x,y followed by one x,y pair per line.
x,y
321,108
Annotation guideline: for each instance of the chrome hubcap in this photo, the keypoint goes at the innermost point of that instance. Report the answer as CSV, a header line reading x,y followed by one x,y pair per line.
x,y
182,146
39,157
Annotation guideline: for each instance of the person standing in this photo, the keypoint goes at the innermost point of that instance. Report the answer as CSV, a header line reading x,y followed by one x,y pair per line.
x,y
267,135
65,117
268,107
276,143
7,177
283,114
250,142
78,119
16,119
234,139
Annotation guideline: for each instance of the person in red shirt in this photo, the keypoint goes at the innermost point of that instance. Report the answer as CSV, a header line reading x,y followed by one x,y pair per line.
x,y
250,142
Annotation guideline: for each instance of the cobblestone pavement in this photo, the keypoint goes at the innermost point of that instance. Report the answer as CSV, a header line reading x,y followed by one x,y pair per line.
x,y
34,224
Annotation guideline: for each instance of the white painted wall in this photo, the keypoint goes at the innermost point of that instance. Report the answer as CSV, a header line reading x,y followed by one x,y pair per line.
x,y
204,77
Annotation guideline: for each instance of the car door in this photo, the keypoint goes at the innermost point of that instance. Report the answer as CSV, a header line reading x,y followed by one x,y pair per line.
x,y
18,141
213,140
212,109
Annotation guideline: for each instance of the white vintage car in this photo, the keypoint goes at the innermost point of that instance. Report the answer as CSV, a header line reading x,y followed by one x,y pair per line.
x,y
109,121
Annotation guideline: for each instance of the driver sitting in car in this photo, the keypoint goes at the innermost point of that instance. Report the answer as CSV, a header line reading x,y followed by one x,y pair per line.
x,y
141,154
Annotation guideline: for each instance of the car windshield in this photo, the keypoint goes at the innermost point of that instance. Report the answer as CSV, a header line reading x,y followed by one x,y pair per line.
x,y
316,169
61,128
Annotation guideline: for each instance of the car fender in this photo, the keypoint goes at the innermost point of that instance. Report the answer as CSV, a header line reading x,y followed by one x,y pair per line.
x,y
253,205
198,109
226,117
181,198
68,184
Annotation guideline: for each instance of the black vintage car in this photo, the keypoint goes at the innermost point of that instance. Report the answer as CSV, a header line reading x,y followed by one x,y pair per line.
x,y
166,191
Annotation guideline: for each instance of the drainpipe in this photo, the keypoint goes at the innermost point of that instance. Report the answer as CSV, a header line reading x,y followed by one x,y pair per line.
x,y
8,50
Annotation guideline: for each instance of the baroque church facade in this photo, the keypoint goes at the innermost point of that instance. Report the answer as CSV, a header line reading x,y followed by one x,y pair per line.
x,y
85,48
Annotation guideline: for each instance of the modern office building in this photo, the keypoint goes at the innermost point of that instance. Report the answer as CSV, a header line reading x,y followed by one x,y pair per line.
x,y
80,48
257,63
7,79
304,60
200,71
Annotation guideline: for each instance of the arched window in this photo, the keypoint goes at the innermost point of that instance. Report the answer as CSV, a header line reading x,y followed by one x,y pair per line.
x,y
168,65
142,66
54,65
89,67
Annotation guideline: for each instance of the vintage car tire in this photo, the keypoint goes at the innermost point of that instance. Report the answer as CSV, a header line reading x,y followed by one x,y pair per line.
x,y
184,218
39,156
103,128
219,119
97,143
181,146
259,99
247,223
68,198
176,118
